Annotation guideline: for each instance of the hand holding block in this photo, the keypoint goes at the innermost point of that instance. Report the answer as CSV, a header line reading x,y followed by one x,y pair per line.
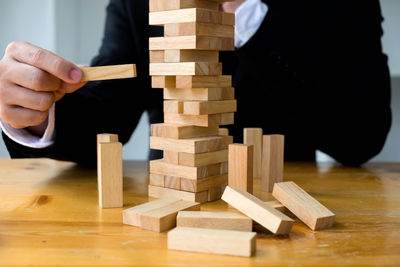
x,y
236,243
305,207
158,215
221,220
275,221
108,72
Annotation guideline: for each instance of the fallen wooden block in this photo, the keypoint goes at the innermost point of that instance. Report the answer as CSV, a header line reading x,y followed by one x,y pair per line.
x,y
192,42
108,72
236,243
279,206
196,160
109,175
200,120
191,15
222,81
191,145
305,207
161,167
162,192
199,29
241,167
206,94
163,81
272,161
158,215
182,131
163,5
186,68
204,184
221,220
273,220
254,136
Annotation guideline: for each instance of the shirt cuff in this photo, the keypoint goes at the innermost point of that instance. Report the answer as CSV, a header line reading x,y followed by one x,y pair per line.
x,y
249,17
25,138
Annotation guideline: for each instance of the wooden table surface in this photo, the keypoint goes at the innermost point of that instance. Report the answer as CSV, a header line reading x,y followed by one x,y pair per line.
x,y
49,216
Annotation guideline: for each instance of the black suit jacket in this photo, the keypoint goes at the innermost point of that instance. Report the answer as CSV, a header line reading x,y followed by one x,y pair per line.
x,y
314,71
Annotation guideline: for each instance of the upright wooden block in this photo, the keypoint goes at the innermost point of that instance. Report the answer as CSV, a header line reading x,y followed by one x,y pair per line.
x,y
107,138
199,29
236,243
158,215
193,43
191,15
162,192
206,94
200,120
241,167
222,220
272,161
305,207
191,145
186,68
189,82
108,72
109,173
254,136
275,221
163,81
176,131
163,5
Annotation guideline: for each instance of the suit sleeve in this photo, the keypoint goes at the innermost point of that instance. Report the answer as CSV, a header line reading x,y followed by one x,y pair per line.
x,y
106,106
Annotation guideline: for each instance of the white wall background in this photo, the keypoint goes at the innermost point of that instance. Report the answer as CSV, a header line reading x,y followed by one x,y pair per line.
x,y
73,29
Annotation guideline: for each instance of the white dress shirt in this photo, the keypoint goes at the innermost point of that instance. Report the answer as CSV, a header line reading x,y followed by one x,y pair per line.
x,y
249,17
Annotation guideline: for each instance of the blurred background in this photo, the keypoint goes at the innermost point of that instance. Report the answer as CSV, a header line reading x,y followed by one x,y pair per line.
x,y
73,29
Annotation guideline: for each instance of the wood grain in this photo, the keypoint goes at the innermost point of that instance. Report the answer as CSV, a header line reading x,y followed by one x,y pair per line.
x,y
108,72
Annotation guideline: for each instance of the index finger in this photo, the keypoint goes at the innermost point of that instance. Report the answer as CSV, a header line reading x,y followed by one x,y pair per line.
x,y
47,61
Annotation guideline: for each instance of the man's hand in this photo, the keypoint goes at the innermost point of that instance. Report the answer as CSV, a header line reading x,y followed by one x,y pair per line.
x,y
31,80
231,7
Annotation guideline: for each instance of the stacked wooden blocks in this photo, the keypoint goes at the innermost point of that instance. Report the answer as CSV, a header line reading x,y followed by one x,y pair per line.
x,y
197,99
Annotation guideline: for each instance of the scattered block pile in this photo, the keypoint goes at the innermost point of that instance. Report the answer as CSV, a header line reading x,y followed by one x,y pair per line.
x,y
197,99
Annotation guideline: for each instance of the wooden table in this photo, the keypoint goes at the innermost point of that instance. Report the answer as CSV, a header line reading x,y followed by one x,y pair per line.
x,y
49,216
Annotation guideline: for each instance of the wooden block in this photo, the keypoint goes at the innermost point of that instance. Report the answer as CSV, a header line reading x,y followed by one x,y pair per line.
x,y
171,157
209,107
200,120
275,221
163,168
192,145
158,215
272,161
215,193
161,192
204,184
305,207
189,82
163,5
223,131
235,243
254,136
279,206
206,94
173,106
193,43
175,55
109,175
191,15
107,138
202,159
156,179
108,72
222,220
157,56
199,29
172,182
182,131
186,68
241,167
163,81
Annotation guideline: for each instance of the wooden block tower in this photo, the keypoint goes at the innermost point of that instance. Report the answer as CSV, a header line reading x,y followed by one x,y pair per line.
x,y
197,99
